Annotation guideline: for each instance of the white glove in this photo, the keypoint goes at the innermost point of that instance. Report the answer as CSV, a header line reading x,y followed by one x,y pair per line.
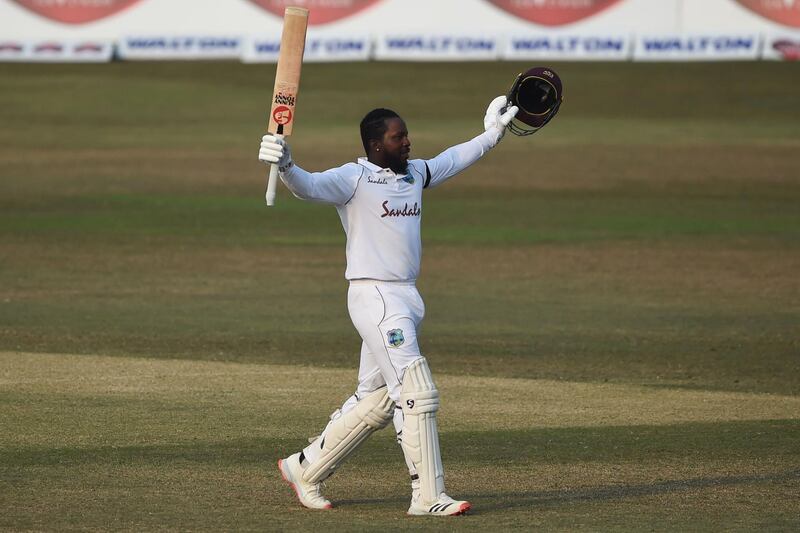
x,y
496,122
274,150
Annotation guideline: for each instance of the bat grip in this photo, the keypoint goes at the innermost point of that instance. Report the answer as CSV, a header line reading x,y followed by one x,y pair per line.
x,y
269,196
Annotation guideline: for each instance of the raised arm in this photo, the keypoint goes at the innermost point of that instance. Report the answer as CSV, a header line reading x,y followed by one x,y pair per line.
x,y
335,186
458,157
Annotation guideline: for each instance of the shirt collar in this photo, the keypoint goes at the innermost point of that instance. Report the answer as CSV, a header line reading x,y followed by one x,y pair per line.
x,y
364,162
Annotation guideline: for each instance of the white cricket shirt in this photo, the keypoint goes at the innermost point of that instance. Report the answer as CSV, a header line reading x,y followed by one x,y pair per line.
x,y
381,211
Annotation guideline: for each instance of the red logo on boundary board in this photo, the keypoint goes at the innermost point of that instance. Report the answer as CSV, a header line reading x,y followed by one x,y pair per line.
x,y
785,12
789,50
319,11
553,12
282,115
76,11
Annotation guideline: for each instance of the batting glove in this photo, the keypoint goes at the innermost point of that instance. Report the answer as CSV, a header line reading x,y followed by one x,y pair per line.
x,y
496,120
275,151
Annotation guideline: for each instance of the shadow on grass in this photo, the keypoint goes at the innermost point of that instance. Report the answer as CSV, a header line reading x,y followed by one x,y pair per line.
x,y
510,500
487,502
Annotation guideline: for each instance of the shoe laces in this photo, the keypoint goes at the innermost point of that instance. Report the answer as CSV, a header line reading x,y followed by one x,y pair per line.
x,y
317,490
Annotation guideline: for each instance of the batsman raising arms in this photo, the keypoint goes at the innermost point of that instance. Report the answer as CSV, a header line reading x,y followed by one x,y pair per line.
x,y
379,201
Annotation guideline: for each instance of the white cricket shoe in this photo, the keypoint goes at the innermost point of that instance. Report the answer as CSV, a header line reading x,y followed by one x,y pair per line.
x,y
308,493
444,506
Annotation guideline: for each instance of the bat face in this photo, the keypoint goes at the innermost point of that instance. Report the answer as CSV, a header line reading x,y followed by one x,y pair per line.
x,y
287,74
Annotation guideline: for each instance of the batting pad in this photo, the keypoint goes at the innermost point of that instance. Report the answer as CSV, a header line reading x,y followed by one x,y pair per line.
x,y
419,399
346,432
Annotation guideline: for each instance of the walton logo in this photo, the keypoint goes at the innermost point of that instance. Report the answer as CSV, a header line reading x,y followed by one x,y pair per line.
x,y
407,211
553,12
76,11
782,11
319,11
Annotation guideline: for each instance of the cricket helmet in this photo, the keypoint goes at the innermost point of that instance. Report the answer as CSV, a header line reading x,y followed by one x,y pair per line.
x,y
538,94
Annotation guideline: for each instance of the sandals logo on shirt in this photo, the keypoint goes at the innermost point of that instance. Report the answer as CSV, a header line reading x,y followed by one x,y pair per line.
x,y
395,337
406,211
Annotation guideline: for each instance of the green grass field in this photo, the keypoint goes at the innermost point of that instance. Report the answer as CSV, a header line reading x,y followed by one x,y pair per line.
x,y
613,305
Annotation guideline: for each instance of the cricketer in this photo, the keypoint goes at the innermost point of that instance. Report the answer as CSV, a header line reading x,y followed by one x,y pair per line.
x,y
379,201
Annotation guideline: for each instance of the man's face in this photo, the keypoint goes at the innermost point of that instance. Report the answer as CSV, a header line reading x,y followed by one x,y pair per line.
x,y
396,145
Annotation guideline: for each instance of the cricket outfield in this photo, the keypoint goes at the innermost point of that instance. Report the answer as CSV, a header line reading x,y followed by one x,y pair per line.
x,y
612,304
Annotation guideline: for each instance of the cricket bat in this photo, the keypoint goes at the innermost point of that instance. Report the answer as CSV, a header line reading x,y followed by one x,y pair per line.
x,y
287,83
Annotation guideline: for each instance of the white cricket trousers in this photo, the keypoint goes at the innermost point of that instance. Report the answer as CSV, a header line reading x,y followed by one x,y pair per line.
x,y
387,315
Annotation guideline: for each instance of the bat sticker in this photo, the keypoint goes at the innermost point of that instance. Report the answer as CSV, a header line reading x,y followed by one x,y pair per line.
x,y
282,115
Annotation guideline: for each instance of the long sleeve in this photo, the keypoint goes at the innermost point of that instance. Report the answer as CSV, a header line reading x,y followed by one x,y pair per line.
x,y
335,186
458,157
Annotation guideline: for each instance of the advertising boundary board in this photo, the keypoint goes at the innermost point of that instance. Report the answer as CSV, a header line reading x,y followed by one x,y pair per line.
x,y
569,47
319,48
774,46
697,47
781,46
437,47
170,47
394,30
56,51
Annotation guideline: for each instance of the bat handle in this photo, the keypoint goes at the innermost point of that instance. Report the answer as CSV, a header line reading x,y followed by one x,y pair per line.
x,y
269,196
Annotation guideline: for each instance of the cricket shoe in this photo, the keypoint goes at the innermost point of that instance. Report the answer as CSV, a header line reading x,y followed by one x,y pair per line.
x,y
444,506
308,493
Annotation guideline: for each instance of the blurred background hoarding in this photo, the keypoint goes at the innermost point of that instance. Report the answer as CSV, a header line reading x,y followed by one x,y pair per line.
x,y
405,30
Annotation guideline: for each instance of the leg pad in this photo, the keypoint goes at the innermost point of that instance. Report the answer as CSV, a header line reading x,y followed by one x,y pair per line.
x,y
419,399
346,432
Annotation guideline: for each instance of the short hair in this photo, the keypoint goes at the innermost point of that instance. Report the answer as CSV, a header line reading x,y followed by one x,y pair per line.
x,y
373,125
